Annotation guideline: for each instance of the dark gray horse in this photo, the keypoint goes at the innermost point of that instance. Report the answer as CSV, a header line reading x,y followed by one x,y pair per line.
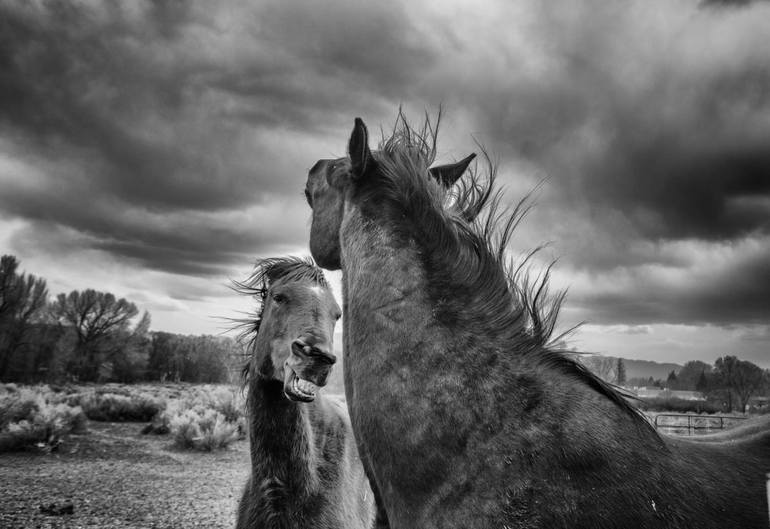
x,y
465,417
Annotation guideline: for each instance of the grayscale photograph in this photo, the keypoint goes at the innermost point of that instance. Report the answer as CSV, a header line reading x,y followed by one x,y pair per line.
x,y
385,265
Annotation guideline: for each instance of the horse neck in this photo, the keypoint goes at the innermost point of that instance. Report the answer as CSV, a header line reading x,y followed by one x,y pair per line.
x,y
384,272
281,437
393,343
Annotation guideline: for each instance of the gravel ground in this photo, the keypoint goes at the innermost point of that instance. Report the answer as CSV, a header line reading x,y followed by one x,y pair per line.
x,y
115,477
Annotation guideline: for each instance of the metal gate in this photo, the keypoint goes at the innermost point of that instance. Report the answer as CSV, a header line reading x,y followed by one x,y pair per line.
x,y
693,422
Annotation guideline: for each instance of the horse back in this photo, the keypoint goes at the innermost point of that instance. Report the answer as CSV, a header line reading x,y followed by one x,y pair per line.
x,y
730,476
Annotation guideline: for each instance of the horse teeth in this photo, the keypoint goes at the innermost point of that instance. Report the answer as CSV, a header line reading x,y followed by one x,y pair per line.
x,y
307,387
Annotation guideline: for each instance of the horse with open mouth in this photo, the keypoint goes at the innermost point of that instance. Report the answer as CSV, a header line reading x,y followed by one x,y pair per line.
x,y
465,414
306,472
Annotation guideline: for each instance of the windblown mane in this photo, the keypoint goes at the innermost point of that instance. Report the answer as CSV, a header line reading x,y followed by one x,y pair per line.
x,y
463,234
266,272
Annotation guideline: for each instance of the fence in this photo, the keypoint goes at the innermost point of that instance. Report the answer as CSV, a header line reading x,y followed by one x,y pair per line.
x,y
693,422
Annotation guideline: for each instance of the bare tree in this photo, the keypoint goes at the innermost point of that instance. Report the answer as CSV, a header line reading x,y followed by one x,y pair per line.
x,y
23,298
94,316
602,366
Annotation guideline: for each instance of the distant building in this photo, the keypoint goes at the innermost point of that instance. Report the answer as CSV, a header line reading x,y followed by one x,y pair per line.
x,y
759,403
658,393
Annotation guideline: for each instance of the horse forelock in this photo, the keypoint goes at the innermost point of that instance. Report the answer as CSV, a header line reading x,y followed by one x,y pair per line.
x,y
463,233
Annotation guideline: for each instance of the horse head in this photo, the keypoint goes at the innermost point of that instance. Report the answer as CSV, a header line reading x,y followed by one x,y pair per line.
x,y
294,331
330,181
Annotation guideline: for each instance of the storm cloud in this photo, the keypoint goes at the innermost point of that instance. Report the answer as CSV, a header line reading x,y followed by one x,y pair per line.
x,y
174,137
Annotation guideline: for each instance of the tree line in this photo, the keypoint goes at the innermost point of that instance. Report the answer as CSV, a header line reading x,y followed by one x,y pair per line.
x,y
730,382
90,336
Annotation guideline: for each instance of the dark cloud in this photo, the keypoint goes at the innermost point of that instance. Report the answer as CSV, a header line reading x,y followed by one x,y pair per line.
x,y
163,101
194,243
650,134
726,285
728,3
91,85
651,123
682,152
176,135
184,108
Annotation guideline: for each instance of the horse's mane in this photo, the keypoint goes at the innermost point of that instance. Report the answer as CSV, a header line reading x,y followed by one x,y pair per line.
x,y
463,234
266,272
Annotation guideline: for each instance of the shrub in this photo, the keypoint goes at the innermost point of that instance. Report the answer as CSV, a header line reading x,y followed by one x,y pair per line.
x,y
203,429
677,405
205,418
161,423
16,407
228,402
111,407
8,388
29,418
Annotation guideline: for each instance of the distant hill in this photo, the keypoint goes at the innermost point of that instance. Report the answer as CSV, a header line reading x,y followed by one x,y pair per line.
x,y
648,368
605,367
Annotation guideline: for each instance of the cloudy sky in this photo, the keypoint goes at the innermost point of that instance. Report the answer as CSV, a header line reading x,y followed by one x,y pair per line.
x,y
155,149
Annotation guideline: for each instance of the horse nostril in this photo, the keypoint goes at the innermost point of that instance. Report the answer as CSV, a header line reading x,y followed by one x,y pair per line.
x,y
324,355
317,351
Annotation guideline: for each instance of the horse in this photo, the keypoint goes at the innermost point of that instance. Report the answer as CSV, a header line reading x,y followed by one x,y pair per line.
x,y
305,468
466,413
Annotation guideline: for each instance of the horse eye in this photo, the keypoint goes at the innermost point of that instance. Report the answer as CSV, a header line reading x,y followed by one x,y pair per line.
x,y
279,298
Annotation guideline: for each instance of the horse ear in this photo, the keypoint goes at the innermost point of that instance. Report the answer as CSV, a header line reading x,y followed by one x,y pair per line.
x,y
448,174
358,149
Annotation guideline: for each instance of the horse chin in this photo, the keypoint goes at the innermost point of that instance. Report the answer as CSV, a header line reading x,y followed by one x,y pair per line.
x,y
297,389
325,255
327,260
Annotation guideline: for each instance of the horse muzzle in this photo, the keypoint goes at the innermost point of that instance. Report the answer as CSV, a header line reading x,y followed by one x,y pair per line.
x,y
307,369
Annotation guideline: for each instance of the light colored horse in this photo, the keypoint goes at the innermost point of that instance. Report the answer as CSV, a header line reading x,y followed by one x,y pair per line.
x,y
305,468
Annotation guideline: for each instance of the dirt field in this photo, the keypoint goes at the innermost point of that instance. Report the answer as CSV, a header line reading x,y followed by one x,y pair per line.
x,y
115,477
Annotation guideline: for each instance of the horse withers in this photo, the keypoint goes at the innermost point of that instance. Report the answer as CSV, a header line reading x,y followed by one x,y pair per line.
x,y
305,468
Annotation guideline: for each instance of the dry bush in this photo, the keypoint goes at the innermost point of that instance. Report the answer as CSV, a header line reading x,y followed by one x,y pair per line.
x,y
204,418
112,407
203,429
676,405
32,418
